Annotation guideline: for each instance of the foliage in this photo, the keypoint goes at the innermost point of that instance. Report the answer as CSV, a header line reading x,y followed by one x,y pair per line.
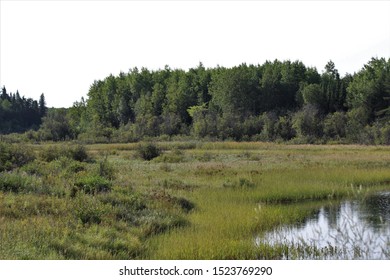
x,y
52,152
14,182
274,101
307,122
92,184
19,114
12,156
148,151
370,88
55,126
335,125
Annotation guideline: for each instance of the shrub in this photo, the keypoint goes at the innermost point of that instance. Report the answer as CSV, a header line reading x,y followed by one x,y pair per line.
x,y
92,184
284,129
307,122
75,167
130,201
36,167
185,204
174,157
269,121
89,209
12,156
148,151
335,125
76,152
357,120
20,182
106,170
385,134
10,182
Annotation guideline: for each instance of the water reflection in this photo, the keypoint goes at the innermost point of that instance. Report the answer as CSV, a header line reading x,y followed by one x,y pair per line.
x,y
356,229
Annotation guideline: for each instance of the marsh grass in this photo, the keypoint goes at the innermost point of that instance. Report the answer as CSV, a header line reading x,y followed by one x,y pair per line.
x,y
195,201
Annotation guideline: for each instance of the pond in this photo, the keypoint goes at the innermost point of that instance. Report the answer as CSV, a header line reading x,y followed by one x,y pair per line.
x,y
354,229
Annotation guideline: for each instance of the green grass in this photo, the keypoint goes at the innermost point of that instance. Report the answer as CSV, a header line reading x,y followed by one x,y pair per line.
x,y
194,201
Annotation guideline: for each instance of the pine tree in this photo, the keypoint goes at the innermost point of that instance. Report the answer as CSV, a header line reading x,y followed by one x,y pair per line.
x,y
42,105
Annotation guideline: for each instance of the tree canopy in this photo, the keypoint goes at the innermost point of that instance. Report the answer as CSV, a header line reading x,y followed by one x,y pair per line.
x,y
283,100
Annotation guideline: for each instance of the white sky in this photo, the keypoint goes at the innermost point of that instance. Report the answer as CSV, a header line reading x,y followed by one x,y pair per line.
x,y
60,47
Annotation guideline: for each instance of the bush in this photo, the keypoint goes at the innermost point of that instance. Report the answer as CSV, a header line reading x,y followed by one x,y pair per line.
x,y
307,122
75,167
357,120
19,182
131,201
12,182
284,129
174,157
35,168
106,170
89,209
76,152
385,134
335,125
92,185
148,151
12,156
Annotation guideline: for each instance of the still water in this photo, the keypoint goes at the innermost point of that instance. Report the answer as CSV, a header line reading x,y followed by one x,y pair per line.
x,y
356,229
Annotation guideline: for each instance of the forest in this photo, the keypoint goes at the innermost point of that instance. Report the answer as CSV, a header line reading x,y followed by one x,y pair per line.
x,y
280,101
201,164
18,114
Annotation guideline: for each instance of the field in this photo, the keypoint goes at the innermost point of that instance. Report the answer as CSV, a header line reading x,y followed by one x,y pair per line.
x,y
191,200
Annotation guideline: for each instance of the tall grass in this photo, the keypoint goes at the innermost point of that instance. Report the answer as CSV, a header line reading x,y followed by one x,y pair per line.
x,y
195,201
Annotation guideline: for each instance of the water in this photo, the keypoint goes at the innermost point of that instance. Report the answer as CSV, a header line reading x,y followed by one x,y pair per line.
x,y
349,230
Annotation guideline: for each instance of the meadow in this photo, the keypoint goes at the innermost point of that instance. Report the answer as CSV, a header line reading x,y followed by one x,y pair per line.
x,y
171,200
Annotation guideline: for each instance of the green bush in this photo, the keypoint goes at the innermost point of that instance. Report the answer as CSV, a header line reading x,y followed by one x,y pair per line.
x,y
171,158
12,156
92,184
308,123
106,170
10,182
76,152
385,134
148,151
335,125
19,182
35,168
89,210
75,167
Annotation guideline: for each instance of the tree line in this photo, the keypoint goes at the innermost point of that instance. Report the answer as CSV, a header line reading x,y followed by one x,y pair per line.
x,y
18,114
274,101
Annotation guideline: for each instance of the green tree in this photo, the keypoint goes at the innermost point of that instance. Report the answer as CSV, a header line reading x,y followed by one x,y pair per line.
x,y
235,90
307,123
370,88
42,105
335,125
56,126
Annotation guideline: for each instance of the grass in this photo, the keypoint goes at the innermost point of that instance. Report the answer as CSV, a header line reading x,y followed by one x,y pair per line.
x,y
194,201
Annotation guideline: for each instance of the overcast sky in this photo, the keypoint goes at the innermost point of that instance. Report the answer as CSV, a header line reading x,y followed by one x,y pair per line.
x,y
60,47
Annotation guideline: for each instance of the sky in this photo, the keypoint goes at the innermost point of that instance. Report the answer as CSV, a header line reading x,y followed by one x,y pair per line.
x,y
60,48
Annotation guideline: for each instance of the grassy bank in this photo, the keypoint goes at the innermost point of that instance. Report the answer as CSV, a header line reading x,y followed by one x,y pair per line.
x,y
192,201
